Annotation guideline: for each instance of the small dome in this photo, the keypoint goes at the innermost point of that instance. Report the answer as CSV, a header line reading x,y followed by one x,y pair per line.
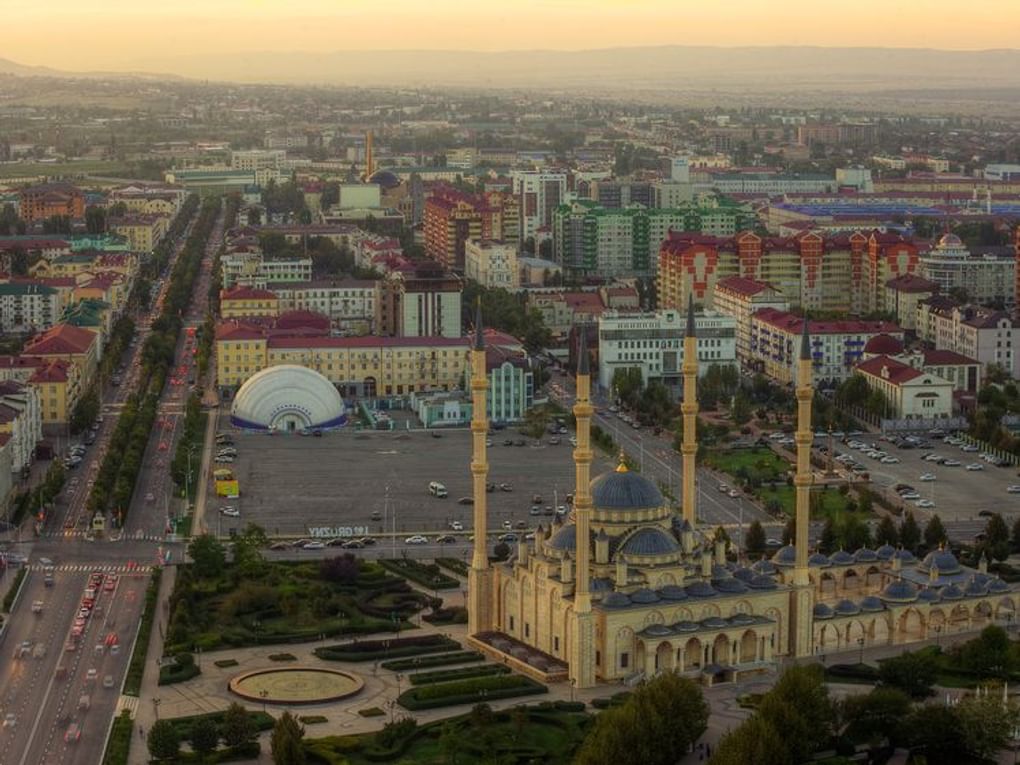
x,y
700,590
624,490
943,560
841,558
762,582
817,559
649,541
997,586
785,556
740,620
386,179
975,588
672,592
680,524
949,241
885,552
616,600
871,603
883,345
823,611
686,626
565,539
952,592
644,597
764,566
904,556
847,608
744,574
864,555
899,591
714,623
928,595
729,585
657,630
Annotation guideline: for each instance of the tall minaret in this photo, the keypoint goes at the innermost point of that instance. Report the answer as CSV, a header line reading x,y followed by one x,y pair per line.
x,y
479,577
582,651
804,436
689,408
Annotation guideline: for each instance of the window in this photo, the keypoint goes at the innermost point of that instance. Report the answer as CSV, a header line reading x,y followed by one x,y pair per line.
x,y
511,624
624,660
527,630
556,644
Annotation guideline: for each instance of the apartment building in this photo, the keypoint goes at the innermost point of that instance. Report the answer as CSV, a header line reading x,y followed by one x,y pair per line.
x,y
452,217
350,304
421,301
836,346
984,278
980,333
540,193
904,293
29,306
654,343
257,159
740,299
250,268
492,264
511,380
21,420
143,232
46,200
57,383
240,301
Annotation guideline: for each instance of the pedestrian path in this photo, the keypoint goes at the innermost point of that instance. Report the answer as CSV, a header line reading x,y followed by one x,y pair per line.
x,y
106,568
128,703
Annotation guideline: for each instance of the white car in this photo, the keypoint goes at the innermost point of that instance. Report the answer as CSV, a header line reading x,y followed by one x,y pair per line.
x,y
890,460
724,489
1013,488
969,448
315,546
734,493
911,495
926,504
975,466
456,526
952,463
231,512
927,477
417,539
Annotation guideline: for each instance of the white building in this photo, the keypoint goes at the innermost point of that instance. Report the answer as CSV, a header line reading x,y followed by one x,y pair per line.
x,y
672,194
251,269
740,298
540,194
257,159
911,393
980,333
21,420
654,343
350,304
984,278
492,264
26,307
679,170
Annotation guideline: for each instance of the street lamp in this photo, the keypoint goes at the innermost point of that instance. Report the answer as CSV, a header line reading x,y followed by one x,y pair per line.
x,y
860,643
155,706
263,694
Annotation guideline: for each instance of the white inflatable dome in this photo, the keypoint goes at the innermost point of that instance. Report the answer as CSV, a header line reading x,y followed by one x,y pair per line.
x,y
287,397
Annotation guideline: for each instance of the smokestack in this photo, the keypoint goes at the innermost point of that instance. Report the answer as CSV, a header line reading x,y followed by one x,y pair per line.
x,y
369,170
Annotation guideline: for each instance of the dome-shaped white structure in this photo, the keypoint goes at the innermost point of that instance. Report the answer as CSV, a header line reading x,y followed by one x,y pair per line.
x,y
287,397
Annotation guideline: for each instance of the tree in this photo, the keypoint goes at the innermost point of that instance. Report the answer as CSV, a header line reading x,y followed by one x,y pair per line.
x,y
248,549
989,654
935,533
986,725
205,736
876,715
95,220
272,243
753,741
254,216
997,537
754,544
790,531
285,742
740,413
910,533
238,727
914,672
855,533
163,741
934,729
655,726
342,569
208,556
799,710
886,533
828,541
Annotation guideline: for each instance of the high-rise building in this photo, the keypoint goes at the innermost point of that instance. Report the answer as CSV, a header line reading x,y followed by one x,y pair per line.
x,y
540,193
981,278
452,217
423,301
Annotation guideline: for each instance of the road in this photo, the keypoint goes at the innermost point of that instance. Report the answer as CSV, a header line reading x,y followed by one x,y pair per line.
x,y
43,700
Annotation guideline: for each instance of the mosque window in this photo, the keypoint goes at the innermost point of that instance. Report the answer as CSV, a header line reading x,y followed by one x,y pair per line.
x,y
527,630
556,644
624,660
511,624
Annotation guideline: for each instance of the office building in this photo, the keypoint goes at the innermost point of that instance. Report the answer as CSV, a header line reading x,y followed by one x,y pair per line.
x,y
540,194
983,278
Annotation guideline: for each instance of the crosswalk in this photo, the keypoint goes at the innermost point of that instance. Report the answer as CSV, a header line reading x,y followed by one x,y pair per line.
x,y
128,703
80,534
106,568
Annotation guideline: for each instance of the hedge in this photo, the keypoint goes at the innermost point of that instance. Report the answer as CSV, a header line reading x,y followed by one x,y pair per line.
x,y
469,691
464,673
439,660
183,725
118,745
12,593
133,680
456,565
243,753
176,673
421,573
372,650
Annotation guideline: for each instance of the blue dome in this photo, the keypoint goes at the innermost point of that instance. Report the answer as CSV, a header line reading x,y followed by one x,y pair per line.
x,y
624,490
817,559
644,597
841,558
847,608
686,627
616,600
672,592
601,584
762,582
714,623
764,567
885,552
904,556
864,555
785,556
744,574
386,179
928,595
565,539
740,620
975,588
700,590
649,541
822,611
952,592
900,592
944,560
997,585
729,585
657,630
871,603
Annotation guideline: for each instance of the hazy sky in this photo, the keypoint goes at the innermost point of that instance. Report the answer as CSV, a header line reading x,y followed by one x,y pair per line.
x,y
89,34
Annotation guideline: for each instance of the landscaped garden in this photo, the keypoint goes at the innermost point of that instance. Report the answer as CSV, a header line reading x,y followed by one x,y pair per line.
x,y
252,601
426,574
547,733
377,650
469,691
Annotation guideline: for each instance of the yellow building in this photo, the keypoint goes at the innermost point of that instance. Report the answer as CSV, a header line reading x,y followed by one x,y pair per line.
x,y
143,232
240,302
626,586
65,342
57,382
368,366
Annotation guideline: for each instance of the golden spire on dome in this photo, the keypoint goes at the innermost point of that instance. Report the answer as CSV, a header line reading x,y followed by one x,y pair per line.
x,y
622,467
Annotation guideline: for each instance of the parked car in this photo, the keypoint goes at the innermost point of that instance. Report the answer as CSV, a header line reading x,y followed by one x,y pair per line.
x,y
446,539
975,466
417,539
456,526
927,477
230,512
315,546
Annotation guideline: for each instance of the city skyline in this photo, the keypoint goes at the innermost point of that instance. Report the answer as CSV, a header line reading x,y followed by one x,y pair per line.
x,y
119,36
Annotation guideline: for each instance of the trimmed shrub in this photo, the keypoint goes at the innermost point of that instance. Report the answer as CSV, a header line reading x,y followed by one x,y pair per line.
x,y
371,650
469,691
225,663
133,680
282,657
465,673
456,565
439,660
118,746
260,720
424,574
371,712
312,719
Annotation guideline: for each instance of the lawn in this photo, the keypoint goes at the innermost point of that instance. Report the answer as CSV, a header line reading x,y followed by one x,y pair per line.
x,y
543,733
749,464
288,602
19,169
829,503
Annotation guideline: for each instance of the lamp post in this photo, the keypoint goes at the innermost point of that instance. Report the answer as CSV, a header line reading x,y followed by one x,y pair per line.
x,y
155,706
860,644
263,694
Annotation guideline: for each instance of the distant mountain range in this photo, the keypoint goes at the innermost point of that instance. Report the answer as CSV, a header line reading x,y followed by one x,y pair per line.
x,y
8,67
664,68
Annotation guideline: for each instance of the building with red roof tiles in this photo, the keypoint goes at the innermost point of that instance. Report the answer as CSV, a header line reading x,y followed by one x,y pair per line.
x,y
562,310
836,346
741,298
66,342
451,217
910,393
46,200
57,383
350,304
904,293
981,333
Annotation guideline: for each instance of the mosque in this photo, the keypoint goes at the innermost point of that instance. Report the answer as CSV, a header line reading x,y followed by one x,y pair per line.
x,y
627,586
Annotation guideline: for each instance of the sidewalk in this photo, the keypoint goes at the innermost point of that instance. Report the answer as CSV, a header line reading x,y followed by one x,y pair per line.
x,y
201,495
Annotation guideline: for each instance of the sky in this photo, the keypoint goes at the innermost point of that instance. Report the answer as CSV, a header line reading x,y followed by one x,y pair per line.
x,y
123,34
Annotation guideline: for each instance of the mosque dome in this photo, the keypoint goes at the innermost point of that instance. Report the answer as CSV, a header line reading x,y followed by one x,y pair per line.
x,y
822,611
657,630
899,591
672,592
975,588
864,555
623,489
943,560
785,556
904,556
729,585
764,567
649,541
949,242
700,590
847,608
818,559
997,586
841,558
686,626
871,603
744,574
615,600
565,539
762,582
644,597
952,592
928,595
386,179
885,552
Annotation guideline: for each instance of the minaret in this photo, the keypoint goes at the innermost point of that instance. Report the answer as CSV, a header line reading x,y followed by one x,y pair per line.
x,y
802,607
479,577
689,408
582,651
804,436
